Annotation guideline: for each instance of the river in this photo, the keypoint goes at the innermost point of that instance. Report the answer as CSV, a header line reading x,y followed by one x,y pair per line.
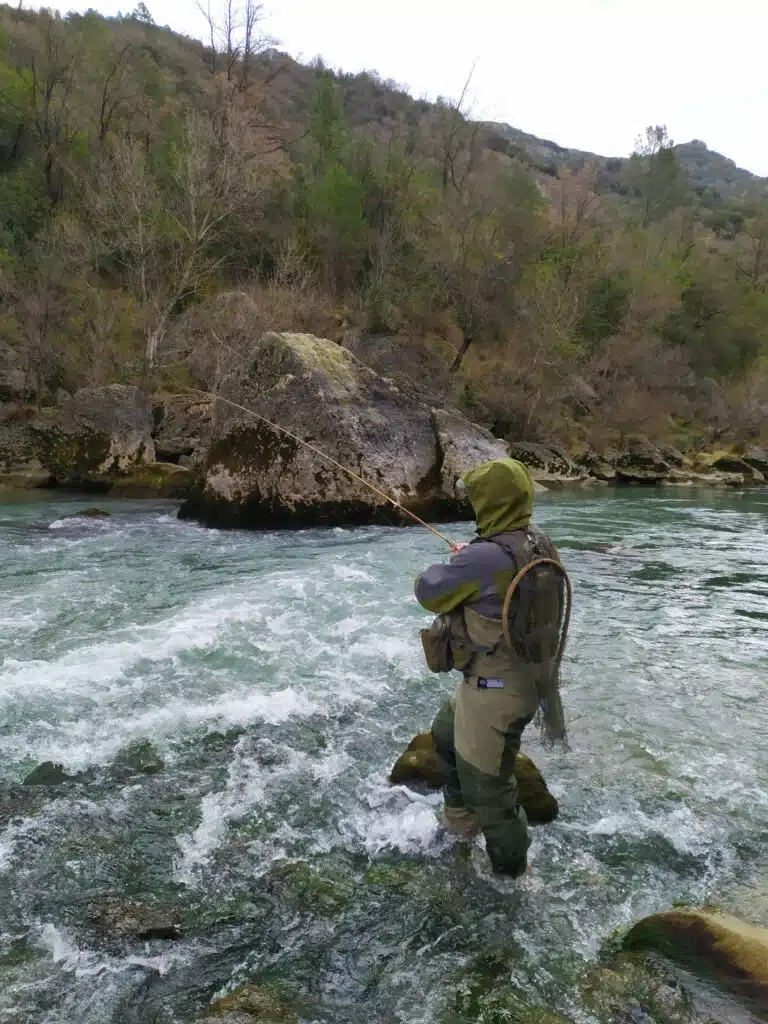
x,y
277,677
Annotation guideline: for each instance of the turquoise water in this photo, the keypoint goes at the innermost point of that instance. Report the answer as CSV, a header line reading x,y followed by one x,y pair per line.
x,y
278,676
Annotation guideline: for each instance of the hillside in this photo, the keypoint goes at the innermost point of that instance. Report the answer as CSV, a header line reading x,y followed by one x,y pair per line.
x,y
162,203
704,168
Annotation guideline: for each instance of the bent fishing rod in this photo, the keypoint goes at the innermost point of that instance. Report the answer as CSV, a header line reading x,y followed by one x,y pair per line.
x,y
383,494
328,458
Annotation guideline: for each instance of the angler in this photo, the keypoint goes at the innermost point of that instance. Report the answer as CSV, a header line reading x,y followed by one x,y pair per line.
x,y
503,606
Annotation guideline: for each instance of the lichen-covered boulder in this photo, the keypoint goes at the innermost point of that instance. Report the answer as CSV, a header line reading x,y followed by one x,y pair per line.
x,y
641,463
598,466
257,476
716,947
420,767
548,464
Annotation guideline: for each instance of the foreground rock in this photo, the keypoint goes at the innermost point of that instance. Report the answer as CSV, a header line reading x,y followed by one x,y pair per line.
x,y
250,1004
419,766
716,947
256,476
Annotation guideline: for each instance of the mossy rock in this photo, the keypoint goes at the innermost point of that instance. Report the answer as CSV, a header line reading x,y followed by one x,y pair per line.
x,y
156,480
628,989
320,889
254,1003
716,947
484,995
725,462
420,768
49,774
138,758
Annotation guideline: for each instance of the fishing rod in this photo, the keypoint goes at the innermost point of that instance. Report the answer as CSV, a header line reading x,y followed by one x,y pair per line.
x,y
324,455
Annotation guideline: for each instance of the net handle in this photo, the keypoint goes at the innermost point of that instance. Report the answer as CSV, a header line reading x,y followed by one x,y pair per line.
x,y
569,602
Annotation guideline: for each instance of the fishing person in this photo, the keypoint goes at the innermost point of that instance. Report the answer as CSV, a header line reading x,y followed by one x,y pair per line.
x,y
510,666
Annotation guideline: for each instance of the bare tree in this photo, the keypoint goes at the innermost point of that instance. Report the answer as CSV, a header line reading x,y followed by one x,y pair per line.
x,y
457,139
165,236
233,40
45,63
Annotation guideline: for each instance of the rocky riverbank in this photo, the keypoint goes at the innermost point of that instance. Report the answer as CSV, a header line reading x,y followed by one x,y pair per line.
x,y
232,469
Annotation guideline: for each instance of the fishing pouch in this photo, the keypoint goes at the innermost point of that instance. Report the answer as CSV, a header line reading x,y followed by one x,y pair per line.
x,y
436,642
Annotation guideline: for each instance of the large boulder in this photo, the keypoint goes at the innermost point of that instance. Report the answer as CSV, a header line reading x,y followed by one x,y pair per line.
x,y
420,768
255,475
716,947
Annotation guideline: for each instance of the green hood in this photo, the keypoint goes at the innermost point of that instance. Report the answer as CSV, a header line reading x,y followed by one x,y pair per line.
x,y
501,493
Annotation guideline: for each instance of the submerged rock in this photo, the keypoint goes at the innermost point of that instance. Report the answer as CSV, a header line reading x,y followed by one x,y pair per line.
x,y
420,766
251,1003
630,991
92,513
257,476
17,802
485,995
121,918
716,947
138,758
48,774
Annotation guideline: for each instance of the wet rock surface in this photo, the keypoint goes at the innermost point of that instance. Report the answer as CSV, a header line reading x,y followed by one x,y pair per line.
x,y
252,1004
716,947
117,917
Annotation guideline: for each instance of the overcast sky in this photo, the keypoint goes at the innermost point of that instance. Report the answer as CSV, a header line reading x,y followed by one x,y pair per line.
x,y
590,74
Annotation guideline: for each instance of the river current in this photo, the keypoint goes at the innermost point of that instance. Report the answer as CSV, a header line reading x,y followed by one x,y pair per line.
x,y
277,677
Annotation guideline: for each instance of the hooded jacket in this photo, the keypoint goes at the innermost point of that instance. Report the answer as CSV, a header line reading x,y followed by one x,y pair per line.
x,y
501,493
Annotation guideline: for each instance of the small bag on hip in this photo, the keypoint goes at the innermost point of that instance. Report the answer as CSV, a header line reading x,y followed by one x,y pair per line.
x,y
436,642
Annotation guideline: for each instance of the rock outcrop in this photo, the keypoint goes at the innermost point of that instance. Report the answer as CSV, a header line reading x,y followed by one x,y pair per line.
x,y
420,767
183,426
716,947
548,464
641,463
95,436
257,476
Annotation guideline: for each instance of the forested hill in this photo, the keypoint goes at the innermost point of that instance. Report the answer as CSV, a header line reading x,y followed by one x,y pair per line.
x,y
162,202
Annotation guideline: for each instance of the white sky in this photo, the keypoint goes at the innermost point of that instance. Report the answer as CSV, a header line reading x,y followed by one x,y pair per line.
x,y
590,74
